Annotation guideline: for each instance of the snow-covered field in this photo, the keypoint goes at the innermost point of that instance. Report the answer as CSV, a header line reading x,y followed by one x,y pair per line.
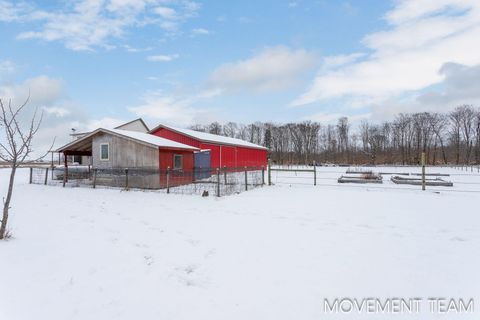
x,y
272,253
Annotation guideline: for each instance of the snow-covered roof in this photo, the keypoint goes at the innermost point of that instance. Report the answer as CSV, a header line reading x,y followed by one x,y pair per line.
x,y
209,137
134,135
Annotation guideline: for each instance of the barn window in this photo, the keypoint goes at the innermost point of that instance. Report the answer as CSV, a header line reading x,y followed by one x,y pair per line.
x,y
104,151
177,161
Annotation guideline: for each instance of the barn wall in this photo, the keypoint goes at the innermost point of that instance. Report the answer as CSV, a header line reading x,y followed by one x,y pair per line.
x,y
124,153
166,159
235,156
221,155
180,177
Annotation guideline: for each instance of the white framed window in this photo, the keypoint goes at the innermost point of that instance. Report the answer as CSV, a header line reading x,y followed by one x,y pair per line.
x,y
104,151
177,162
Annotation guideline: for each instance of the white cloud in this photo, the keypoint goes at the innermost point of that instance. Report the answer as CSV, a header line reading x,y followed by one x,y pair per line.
x,y
11,11
163,58
459,87
87,24
166,13
57,111
172,110
423,36
273,68
200,31
43,91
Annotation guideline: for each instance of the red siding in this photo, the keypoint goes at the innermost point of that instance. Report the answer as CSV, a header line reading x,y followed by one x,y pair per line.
x,y
221,155
185,176
166,159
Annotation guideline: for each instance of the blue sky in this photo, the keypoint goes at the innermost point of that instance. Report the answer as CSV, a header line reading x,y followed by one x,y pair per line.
x,y
93,62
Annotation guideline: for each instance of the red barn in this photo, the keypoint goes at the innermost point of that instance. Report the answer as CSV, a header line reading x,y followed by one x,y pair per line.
x,y
224,151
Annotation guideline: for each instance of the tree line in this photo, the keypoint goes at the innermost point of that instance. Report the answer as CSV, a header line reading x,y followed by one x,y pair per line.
x,y
446,138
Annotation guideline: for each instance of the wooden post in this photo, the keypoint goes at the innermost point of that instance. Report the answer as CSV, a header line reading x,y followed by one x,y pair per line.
x,y
94,178
218,182
225,175
423,171
263,176
246,179
31,174
64,176
126,179
65,163
269,172
168,179
314,173
46,175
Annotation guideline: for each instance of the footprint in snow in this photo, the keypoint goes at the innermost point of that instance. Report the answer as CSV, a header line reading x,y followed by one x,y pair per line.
x,y
148,260
458,239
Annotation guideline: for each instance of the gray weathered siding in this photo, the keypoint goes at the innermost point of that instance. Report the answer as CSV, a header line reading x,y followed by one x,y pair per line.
x,y
124,153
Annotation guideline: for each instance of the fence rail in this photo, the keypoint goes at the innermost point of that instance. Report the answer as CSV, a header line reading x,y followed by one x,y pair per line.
x,y
206,181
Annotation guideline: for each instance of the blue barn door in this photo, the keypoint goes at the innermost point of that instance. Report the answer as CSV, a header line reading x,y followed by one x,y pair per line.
x,y
201,164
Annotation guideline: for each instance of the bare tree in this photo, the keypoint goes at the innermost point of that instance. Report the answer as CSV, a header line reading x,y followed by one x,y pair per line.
x,y
230,129
15,147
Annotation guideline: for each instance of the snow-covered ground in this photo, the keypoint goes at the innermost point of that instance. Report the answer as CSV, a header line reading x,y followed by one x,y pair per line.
x,y
271,253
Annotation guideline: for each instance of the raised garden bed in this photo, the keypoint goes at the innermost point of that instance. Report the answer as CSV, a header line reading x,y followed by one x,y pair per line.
x,y
363,177
418,181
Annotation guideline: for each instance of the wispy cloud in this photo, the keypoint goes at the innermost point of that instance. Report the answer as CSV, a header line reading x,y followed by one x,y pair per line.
x,y
6,66
422,37
200,31
89,23
163,58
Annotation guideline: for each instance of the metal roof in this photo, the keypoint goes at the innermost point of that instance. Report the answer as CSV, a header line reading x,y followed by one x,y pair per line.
x,y
209,137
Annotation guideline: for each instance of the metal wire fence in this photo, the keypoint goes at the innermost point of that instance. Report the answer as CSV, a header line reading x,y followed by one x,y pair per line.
x,y
463,179
207,181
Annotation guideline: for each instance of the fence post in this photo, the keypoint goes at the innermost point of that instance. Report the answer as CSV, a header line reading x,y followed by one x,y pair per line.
x,y
46,176
314,173
31,173
246,179
225,175
423,171
168,179
65,172
126,179
94,178
218,182
269,172
263,176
